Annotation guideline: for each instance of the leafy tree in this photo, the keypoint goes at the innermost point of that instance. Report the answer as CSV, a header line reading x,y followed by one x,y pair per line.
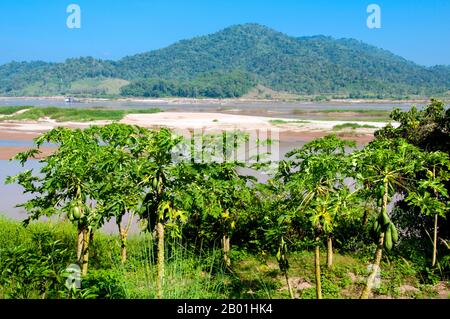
x,y
218,195
161,178
431,196
218,199
119,192
428,129
384,167
65,184
314,179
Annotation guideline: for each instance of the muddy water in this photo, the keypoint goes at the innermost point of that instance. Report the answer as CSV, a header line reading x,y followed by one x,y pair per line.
x,y
263,108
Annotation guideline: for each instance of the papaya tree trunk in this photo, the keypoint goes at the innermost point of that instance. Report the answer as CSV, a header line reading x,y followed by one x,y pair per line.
x,y
160,261
123,231
226,250
375,268
123,245
365,216
378,253
80,244
329,251
317,269
291,292
85,251
433,263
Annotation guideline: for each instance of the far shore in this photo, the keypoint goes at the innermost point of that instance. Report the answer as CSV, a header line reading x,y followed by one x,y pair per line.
x,y
199,101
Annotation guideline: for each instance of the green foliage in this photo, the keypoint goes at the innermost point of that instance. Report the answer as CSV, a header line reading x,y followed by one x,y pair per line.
x,y
314,178
8,110
103,284
288,122
79,115
212,85
315,65
352,126
428,128
323,190
33,260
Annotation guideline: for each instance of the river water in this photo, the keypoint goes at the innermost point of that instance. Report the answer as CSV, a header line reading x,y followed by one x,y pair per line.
x,y
263,108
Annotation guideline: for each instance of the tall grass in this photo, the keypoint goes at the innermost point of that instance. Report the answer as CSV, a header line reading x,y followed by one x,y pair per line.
x,y
78,115
8,110
189,273
351,126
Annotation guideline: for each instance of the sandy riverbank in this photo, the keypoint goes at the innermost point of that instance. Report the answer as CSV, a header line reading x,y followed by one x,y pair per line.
x,y
191,120
285,129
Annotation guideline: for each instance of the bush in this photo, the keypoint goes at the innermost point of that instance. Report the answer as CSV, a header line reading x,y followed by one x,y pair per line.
x,y
103,284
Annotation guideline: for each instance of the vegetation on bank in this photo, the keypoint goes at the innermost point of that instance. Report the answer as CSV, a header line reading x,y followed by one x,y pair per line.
x,y
352,126
323,216
361,115
60,114
212,85
288,122
370,112
8,110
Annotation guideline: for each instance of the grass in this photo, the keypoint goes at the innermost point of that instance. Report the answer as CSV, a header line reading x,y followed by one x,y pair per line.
x,y
339,114
288,122
8,110
360,111
189,273
77,114
352,126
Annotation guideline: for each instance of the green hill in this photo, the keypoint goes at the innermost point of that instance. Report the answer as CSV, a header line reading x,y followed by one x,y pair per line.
x,y
230,63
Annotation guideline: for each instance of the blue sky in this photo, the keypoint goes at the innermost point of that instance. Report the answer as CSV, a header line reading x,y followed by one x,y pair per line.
x,y
418,30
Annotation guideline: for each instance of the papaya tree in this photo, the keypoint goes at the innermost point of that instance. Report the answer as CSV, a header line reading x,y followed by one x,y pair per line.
x,y
314,179
120,193
384,168
275,223
217,198
65,184
160,177
218,194
429,129
431,195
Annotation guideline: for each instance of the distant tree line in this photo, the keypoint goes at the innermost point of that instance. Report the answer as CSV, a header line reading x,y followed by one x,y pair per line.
x,y
212,85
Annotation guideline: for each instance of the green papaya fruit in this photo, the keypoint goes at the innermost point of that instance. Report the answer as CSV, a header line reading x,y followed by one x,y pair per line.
x,y
76,212
394,233
279,255
70,215
388,239
385,218
375,226
155,183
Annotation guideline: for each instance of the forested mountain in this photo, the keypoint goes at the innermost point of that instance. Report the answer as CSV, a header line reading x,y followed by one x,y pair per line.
x,y
229,63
